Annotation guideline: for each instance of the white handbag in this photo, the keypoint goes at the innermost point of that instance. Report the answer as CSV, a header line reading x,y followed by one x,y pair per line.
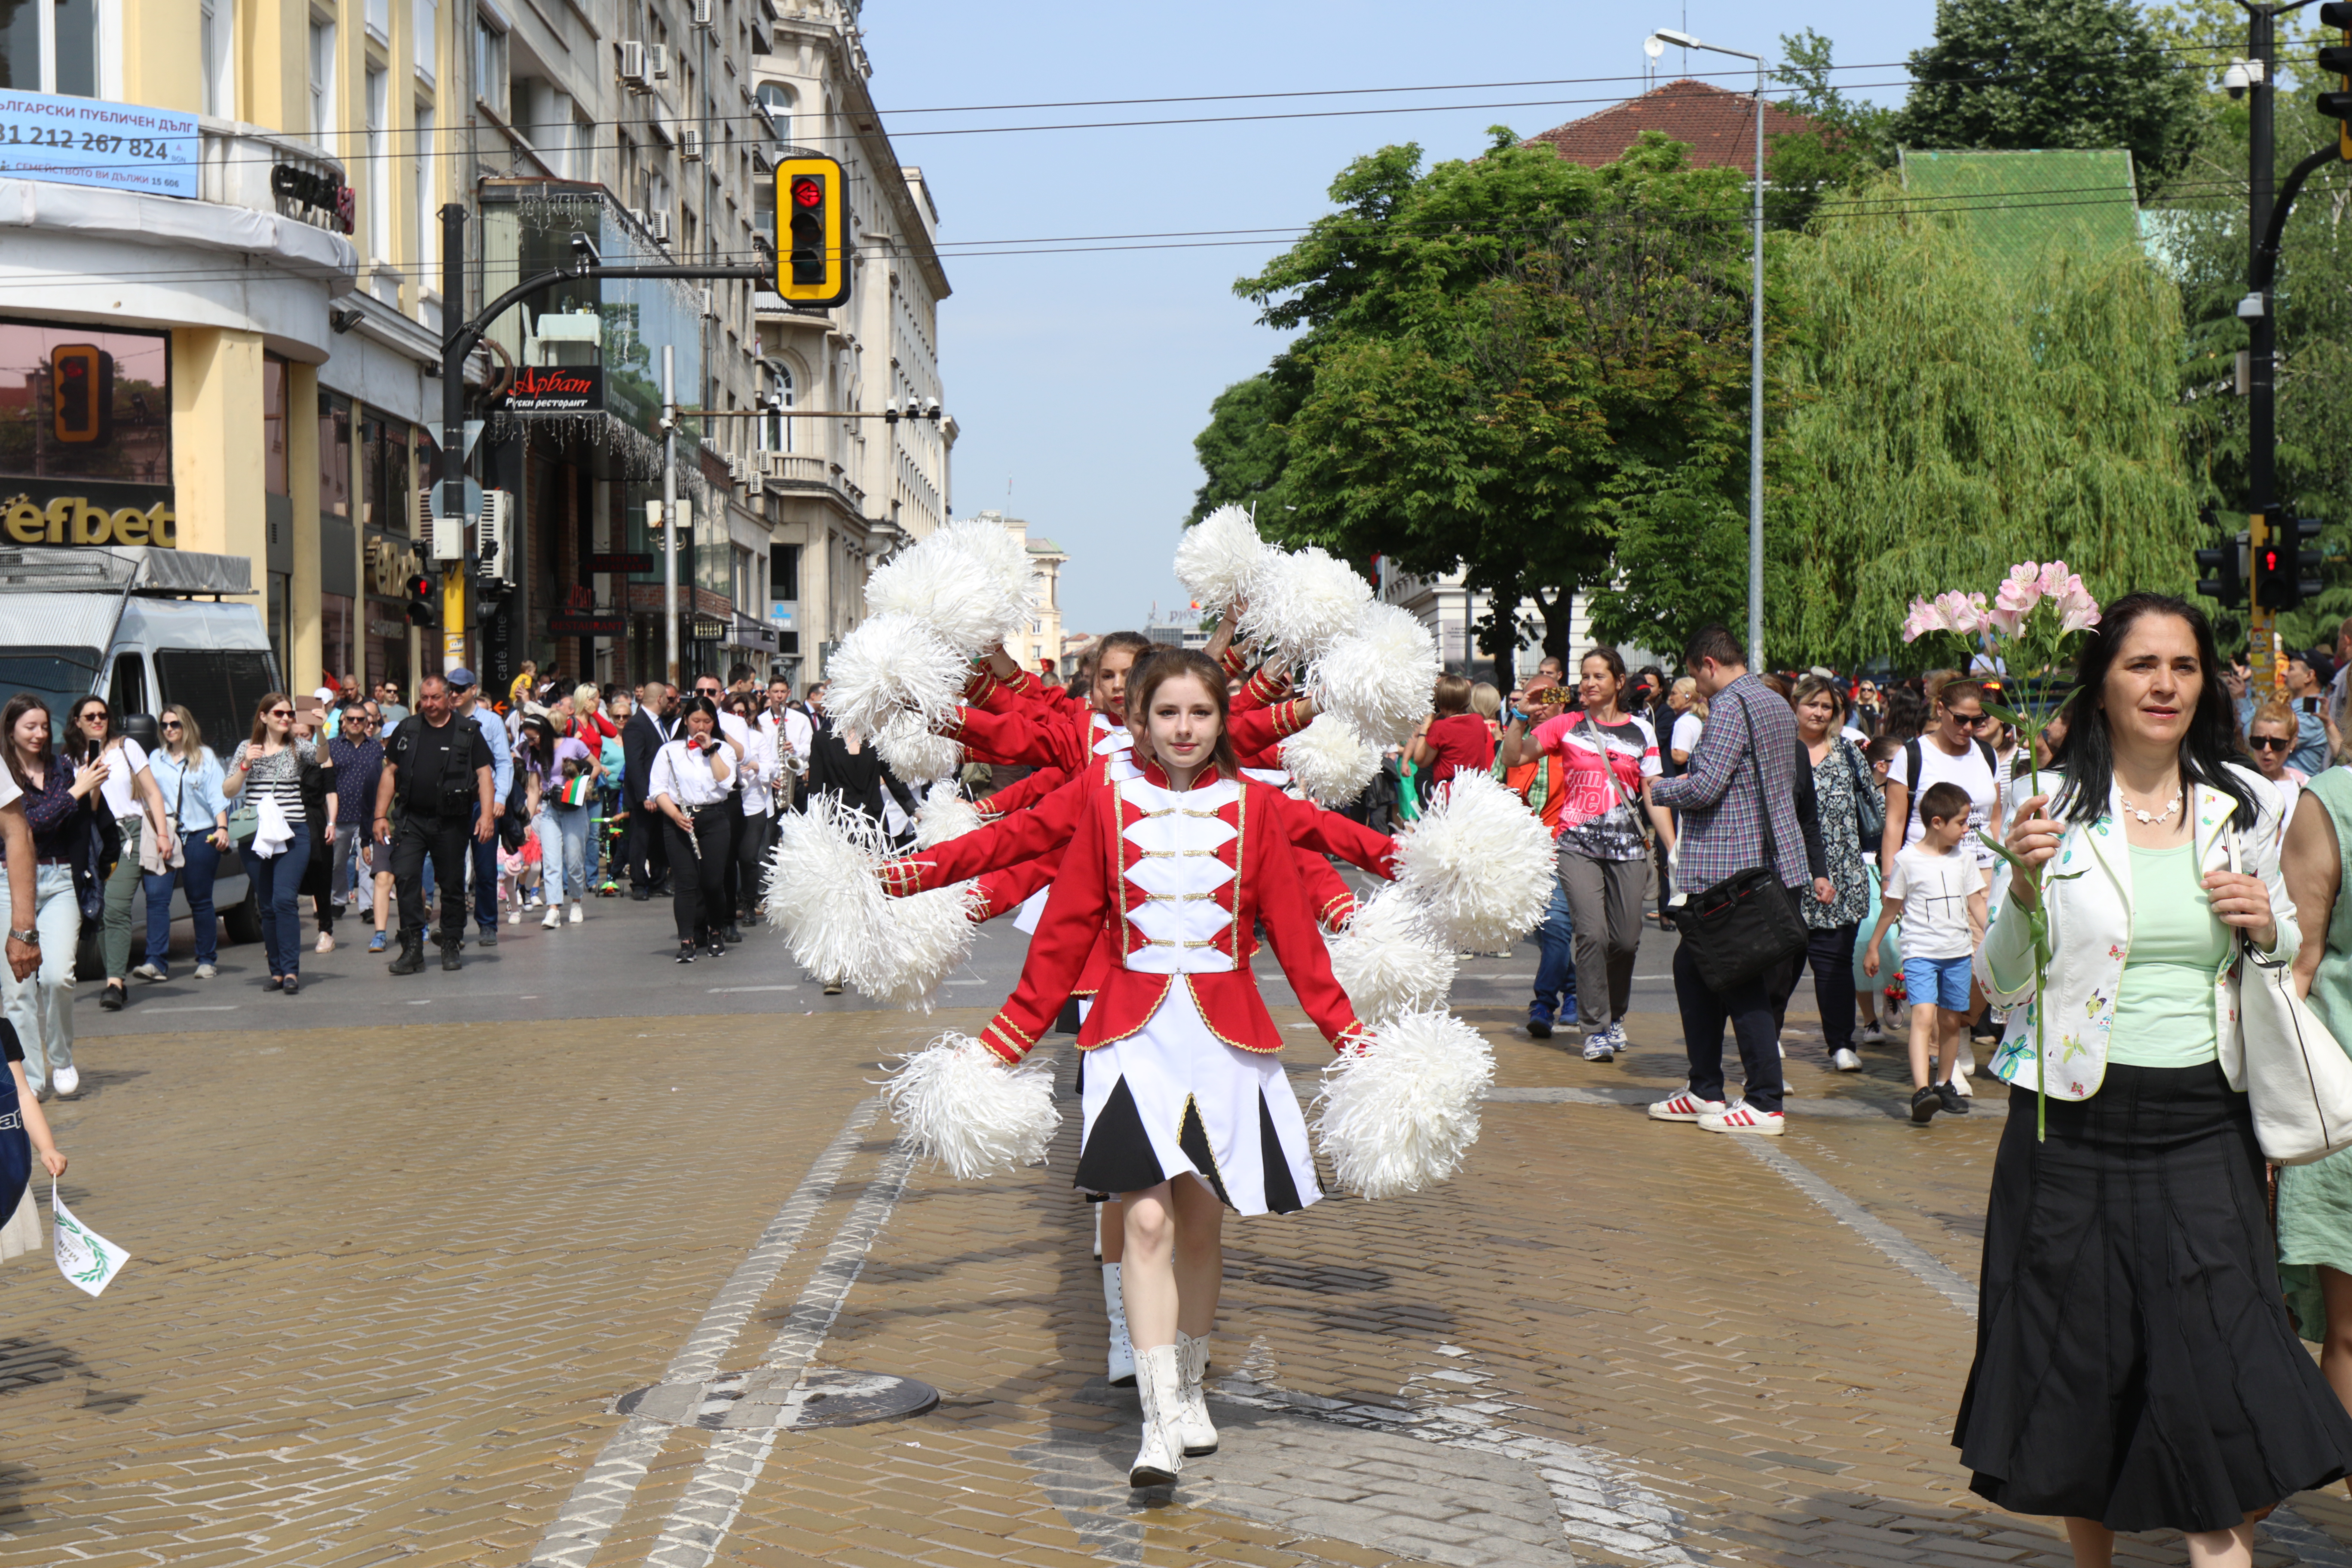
x,y
2298,1078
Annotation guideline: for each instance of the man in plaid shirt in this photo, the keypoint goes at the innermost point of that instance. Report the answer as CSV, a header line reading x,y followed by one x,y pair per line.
x,y
1745,765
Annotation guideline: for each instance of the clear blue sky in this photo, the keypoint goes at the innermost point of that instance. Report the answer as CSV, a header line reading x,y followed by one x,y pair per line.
x,y
1080,379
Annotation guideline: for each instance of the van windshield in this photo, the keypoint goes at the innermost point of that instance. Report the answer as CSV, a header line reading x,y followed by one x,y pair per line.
x,y
59,677
221,687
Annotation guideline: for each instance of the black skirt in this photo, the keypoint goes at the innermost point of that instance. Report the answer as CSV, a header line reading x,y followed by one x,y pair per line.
x,y
2134,1362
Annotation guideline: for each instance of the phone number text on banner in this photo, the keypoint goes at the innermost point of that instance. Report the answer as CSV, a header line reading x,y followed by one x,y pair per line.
x,y
88,141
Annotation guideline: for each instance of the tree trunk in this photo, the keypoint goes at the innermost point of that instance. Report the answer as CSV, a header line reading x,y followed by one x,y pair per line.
x,y
1557,610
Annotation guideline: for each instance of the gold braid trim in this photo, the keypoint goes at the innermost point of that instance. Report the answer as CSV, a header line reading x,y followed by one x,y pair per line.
x,y
900,878
1232,661
1001,1037
1337,910
980,687
1286,719
1266,687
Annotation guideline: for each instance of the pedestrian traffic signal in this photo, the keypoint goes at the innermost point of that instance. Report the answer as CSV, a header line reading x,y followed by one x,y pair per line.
x,y
2337,57
812,230
2221,573
2285,572
81,395
422,591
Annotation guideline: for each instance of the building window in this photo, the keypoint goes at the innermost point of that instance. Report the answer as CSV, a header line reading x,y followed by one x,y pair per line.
x,y
785,574
428,226
382,172
425,21
275,479
490,66
65,62
379,20
216,37
133,371
334,456
777,99
776,430
322,81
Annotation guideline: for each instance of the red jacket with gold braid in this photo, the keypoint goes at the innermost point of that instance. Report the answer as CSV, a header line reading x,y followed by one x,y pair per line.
x,y
1177,884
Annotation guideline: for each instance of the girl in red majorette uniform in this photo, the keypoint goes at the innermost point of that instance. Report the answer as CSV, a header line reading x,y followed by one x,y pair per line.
x,y
1186,1108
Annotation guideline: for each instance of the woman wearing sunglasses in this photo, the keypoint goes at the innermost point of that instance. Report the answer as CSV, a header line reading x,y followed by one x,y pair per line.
x,y
2271,736
270,763
135,807
188,777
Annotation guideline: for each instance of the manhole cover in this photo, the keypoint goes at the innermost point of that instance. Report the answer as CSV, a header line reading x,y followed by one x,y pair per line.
x,y
766,1398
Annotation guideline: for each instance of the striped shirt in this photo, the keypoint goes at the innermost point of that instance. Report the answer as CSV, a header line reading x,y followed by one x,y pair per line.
x,y
277,775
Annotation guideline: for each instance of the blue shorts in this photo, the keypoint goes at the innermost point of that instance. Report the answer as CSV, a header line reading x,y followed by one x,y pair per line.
x,y
1937,983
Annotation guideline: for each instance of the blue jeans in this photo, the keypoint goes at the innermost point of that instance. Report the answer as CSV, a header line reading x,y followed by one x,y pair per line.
x,y
279,882
197,877
1556,949
563,852
41,1004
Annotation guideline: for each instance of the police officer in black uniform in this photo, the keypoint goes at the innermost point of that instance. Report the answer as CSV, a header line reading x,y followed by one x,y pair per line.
x,y
436,769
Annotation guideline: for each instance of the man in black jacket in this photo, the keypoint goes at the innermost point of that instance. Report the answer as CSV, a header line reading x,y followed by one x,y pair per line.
x,y
648,730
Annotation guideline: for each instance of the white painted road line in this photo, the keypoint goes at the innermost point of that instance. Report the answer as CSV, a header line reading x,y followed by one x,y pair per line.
x,y
739,990
602,1495
1899,1248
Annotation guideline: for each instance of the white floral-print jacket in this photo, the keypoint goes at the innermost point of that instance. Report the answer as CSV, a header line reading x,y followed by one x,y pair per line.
x,y
2090,937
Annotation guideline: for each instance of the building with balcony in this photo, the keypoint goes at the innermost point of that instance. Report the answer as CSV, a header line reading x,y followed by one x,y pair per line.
x,y
247,243
846,491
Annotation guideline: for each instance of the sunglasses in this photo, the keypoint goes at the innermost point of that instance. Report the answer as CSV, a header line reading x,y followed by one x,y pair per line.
x,y
2270,742
169,724
281,714
97,718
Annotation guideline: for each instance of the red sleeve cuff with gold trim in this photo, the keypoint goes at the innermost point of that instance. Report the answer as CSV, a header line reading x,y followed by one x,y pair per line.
x,y
1004,1037
1267,687
1354,1038
1232,661
1336,912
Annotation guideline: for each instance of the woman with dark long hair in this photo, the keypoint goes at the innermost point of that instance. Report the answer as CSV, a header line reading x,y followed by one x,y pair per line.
x,y
131,802
2135,1367
58,805
689,789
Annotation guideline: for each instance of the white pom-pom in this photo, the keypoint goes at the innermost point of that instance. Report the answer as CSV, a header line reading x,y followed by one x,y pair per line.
x,y
822,891
1479,863
915,753
1330,762
1378,675
956,1102
971,582
889,664
926,937
1218,556
1298,602
944,814
1399,1112
1391,960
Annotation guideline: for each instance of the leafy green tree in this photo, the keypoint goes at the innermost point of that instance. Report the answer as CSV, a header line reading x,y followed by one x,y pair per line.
x,y
1951,418
2020,74
1246,448
1850,141
1491,349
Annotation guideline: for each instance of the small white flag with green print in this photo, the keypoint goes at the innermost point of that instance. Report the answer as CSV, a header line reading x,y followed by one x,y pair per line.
x,y
84,1257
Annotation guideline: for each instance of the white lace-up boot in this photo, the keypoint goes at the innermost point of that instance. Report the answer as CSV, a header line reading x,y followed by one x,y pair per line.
x,y
1160,1384
1121,1369
1194,1428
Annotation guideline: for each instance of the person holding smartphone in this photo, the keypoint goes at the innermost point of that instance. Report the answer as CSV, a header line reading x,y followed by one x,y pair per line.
x,y
690,784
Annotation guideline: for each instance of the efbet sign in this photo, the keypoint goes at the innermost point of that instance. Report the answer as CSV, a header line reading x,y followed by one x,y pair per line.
x,y
88,519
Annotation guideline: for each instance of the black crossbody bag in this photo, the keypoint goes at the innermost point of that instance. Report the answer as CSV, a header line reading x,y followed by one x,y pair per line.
x,y
1744,924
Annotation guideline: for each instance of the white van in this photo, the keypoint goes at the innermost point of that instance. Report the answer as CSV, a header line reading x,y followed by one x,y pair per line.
x,y
143,627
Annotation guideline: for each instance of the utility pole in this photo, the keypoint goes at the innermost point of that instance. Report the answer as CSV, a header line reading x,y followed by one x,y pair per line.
x,y
453,434
2262,330
669,508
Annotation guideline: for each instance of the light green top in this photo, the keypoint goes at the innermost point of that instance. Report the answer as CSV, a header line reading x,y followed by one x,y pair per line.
x,y
2164,1008
2314,1201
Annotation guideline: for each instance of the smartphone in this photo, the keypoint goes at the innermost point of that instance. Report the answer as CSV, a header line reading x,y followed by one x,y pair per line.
x,y
2311,704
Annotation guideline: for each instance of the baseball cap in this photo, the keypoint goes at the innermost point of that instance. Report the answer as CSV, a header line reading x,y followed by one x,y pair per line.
x,y
459,679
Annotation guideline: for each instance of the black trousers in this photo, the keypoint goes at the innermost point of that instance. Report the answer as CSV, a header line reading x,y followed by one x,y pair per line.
x,y
446,840
731,813
1830,953
646,849
698,868
1747,1009
753,836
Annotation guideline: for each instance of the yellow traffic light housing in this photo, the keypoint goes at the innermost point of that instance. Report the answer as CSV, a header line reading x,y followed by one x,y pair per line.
x,y
81,395
812,232
2337,105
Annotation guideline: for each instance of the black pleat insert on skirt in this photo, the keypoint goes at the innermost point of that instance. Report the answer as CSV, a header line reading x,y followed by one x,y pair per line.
x,y
2135,1363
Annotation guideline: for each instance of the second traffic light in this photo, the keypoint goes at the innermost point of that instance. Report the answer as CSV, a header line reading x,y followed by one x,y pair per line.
x,y
812,232
423,591
2285,570
2221,573
81,395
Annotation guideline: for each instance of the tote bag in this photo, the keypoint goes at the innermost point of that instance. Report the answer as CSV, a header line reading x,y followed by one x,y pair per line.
x,y
2298,1079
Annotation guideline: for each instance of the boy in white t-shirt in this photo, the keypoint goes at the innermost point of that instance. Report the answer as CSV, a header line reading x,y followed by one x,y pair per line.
x,y
1940,896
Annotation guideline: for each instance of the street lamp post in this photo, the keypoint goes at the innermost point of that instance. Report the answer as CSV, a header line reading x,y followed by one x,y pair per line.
x,y
1655,46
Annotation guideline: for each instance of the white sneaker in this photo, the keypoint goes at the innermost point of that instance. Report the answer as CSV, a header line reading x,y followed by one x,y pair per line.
x,y
1120,1365
1684,1107
1960,1081
577,914
1597,1048
147,972
326,941
67,1081
1742,1117
1846,1061
554,918
515,919
207,971
1194,1428
1872,1034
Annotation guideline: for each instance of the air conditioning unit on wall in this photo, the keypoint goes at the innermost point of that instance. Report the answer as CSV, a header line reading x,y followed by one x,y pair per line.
x,y
661,228
632,65
657,62
689,146
705,12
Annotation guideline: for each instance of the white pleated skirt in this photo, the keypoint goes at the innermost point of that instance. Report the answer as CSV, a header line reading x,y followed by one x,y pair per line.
x,y
1172,1099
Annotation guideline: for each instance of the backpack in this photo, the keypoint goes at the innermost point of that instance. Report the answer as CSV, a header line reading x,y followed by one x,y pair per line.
x,y
1911,773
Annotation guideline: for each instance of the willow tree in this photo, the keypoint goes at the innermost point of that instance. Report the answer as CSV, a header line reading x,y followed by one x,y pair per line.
x,y
1953,412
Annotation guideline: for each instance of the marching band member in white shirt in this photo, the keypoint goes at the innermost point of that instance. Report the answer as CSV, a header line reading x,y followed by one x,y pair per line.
x,y
692,779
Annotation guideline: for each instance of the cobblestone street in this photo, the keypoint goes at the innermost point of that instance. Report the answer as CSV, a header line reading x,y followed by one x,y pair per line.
x,y
391,1279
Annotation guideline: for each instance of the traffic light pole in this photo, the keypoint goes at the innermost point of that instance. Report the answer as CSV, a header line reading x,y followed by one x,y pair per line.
x,y
2262,332
669,511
